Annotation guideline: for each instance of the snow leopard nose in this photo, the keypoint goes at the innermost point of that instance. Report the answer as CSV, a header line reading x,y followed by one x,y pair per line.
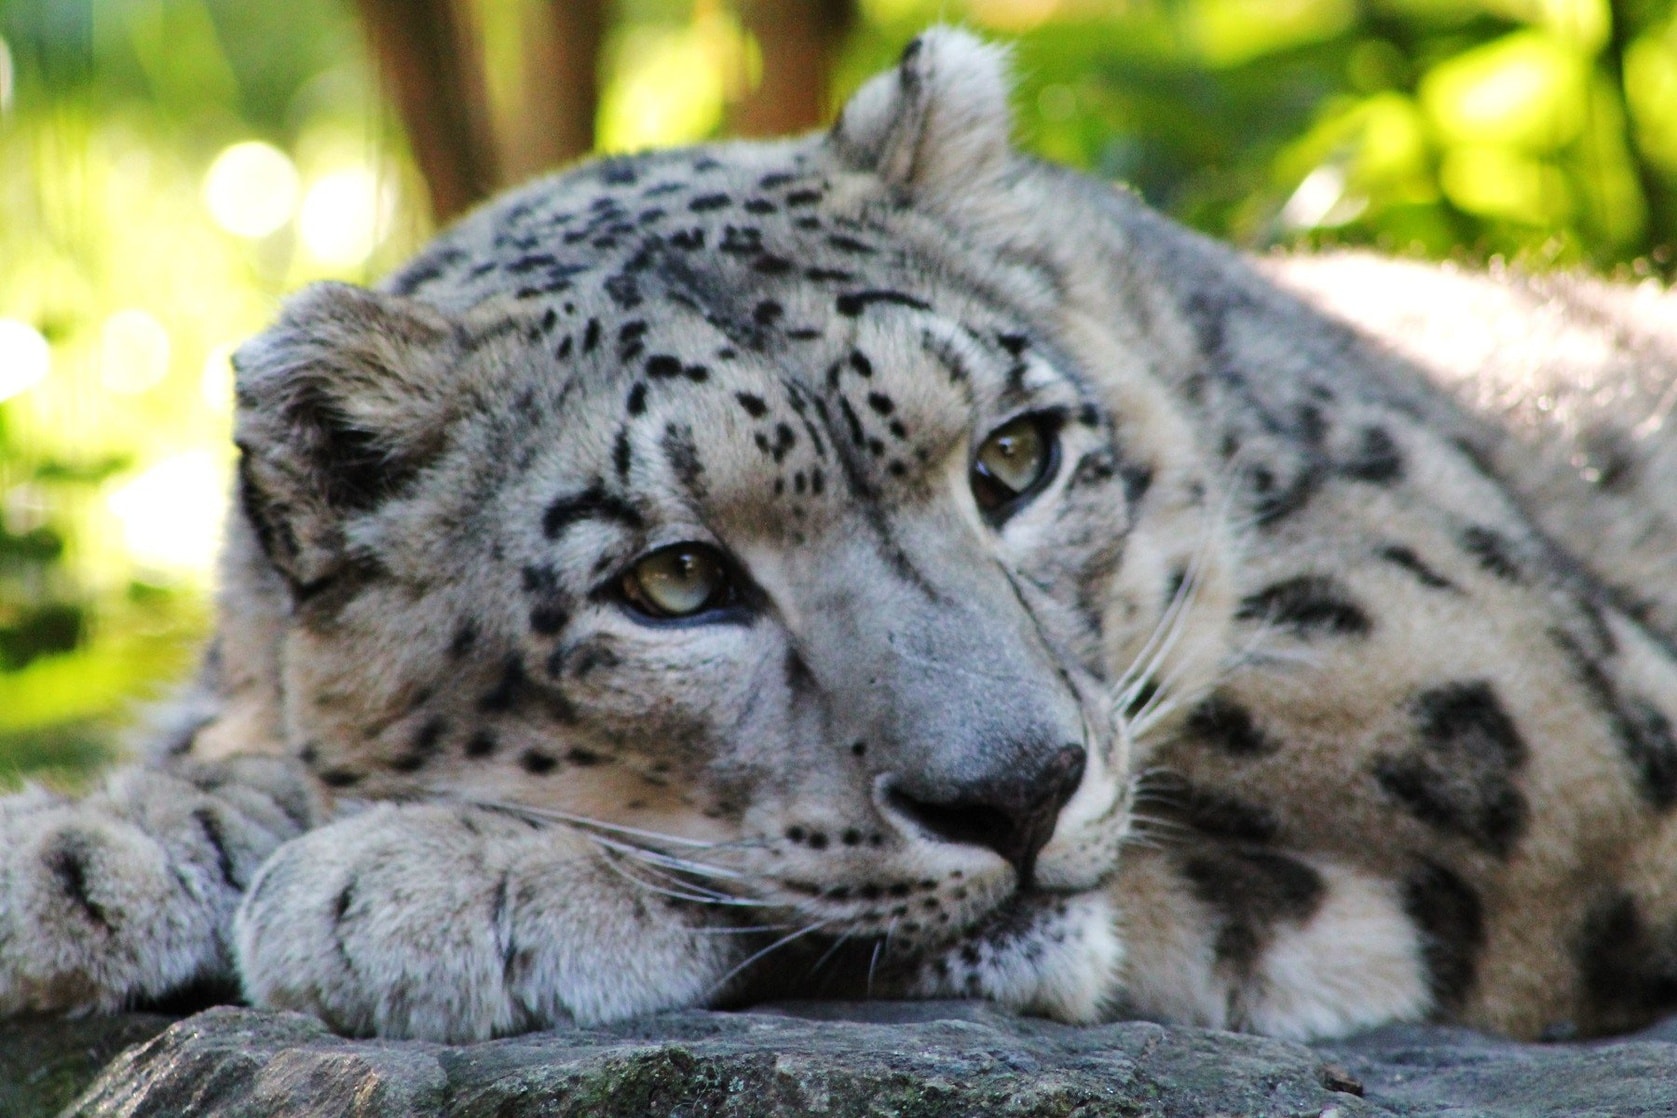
x,y
1014,815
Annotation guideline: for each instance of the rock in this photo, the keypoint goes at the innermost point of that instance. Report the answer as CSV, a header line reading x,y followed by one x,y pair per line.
x,y
909,1061
1416,1070
871,1059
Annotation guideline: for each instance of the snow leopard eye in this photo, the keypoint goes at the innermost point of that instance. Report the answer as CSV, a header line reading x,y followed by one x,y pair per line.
x,y
682,580
1014,464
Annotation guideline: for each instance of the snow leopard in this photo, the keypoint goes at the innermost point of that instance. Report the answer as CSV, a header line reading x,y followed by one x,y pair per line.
x,y
885,564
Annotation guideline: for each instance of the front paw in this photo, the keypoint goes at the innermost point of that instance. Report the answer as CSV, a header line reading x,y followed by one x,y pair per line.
x,y
127,895
455,925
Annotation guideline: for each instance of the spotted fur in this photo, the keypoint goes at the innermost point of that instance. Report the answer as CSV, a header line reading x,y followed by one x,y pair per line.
x,y
1328,677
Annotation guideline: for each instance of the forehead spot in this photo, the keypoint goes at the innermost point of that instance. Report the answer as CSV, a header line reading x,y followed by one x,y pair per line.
x,y
853,303
740,240
850,245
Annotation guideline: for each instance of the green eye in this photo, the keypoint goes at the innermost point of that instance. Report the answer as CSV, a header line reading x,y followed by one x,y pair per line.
x,y
1013,463
681,580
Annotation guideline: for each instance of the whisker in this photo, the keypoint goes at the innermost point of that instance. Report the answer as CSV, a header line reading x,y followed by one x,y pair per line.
x,y
695,898
720,983
657,858
620,828
681,881
740,931
1161,642
831,951
1168,629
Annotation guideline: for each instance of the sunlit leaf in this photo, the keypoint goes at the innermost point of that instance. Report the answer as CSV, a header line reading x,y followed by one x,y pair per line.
x,y
1525,90
1651,87
1230,32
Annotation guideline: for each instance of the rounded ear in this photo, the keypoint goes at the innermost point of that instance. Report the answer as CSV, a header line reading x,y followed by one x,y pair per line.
x,y
340,403
939,120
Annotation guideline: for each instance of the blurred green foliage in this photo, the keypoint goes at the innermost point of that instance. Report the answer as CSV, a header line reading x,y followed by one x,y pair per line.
x,y
1539,130
169,168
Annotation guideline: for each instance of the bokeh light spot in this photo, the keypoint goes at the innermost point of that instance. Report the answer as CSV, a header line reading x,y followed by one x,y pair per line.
x,y
133,352
1504,182
25,508
1012,16
25,357
8,77
215,383
251,189
1524,89
171,513
671,91
344,216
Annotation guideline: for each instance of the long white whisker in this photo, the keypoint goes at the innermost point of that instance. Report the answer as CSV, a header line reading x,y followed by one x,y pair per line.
x,y
831,951
775,946
676,879
679,894
1175,622
885,944
1142,675
619,828
653,887
873,962
657,858
1172,622
740,931
1146,660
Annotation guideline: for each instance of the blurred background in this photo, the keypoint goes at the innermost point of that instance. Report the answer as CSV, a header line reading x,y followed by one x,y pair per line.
x,y
170,168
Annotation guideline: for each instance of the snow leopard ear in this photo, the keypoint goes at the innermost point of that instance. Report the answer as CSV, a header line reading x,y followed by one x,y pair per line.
x,y
940,119
340,403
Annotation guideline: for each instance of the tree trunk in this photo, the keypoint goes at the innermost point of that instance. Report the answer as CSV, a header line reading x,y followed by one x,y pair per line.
x,y
431,66
800,41
554,123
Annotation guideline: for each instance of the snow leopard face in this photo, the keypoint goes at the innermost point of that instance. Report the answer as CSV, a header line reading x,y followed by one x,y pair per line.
x,y
724,497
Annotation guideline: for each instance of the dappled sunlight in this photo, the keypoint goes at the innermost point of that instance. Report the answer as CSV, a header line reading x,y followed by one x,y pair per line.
x,y
171,514
670,83
149,228
215,381
251,189
1651,85
1229,32
346,214
1524,90
25,357
134,352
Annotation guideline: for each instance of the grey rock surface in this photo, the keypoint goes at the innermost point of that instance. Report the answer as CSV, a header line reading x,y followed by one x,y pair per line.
x,y
871,1059
1416,1070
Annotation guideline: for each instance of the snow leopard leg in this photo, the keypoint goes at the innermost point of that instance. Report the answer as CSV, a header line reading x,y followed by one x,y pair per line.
x,y
457,924
127,894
